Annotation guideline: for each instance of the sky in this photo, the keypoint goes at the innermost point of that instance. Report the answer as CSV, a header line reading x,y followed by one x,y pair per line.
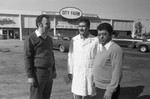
x,y
114,9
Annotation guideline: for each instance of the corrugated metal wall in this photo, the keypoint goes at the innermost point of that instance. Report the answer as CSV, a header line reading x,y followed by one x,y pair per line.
x,y
123,25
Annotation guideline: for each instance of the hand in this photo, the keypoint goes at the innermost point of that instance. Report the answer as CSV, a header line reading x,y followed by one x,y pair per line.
x,y
107,95
32,81
70,76
54,75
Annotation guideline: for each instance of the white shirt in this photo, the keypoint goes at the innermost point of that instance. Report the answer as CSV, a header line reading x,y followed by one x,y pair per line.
x,y
38,34
106,46
81,56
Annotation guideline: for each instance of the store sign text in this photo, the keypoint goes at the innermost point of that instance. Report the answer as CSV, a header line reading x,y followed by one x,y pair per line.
x,y
67,26
70,13
6,21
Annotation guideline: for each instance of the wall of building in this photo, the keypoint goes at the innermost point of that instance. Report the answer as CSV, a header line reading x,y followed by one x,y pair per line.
x,y
21,24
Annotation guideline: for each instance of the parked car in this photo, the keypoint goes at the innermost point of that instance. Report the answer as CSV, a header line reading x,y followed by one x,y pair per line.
x,y
125,41
61,42
143,46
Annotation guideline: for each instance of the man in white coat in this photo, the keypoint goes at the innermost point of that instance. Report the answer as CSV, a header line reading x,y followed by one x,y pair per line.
x,y
82,52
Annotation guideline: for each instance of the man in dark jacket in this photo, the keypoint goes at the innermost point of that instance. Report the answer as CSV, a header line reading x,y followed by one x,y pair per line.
x,y
39,60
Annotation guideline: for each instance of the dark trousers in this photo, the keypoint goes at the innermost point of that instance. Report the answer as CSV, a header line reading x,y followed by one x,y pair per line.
x,y
81,97
43,88
101,92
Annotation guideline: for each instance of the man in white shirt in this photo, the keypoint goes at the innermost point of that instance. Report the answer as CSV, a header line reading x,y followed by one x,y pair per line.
x,y
82,52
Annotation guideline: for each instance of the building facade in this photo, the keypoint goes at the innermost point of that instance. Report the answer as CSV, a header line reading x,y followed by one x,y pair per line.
x,y
18,24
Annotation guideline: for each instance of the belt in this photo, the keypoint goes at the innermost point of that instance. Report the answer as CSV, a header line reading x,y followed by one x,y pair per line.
x,y
43,68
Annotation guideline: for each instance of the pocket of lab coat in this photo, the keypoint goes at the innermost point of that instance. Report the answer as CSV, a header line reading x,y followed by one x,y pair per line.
x,y
90,63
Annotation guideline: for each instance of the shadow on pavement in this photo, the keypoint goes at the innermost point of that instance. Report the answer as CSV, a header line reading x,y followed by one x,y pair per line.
x,y
133,93
144,97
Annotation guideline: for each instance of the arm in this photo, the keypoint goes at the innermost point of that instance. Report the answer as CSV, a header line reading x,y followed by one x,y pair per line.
x,y
70,60
29,57
53,67
116,59
54,75
29,61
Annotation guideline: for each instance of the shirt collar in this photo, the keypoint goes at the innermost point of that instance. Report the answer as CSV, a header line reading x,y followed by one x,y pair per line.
x,y
107,45
38,34
84,38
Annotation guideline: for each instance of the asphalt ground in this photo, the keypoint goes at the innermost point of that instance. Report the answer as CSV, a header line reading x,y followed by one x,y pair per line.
x,y
13,81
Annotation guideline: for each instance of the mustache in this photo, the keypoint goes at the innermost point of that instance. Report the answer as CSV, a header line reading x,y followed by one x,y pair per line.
x,y
81,30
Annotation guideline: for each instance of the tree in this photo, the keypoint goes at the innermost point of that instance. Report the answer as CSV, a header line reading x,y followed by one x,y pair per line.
x,y
138,27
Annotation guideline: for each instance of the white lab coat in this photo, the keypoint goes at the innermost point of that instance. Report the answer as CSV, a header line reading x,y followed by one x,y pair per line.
x,y
80,61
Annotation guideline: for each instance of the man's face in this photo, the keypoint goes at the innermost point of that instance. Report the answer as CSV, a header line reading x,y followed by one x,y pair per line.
x,y
83,28
45,24
103,37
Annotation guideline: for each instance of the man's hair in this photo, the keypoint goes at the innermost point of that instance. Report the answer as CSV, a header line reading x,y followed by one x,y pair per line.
x,y
40,17
105,26
85,21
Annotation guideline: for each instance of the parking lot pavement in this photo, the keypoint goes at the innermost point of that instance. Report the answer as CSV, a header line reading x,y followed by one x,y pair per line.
x,y
61,90
13,84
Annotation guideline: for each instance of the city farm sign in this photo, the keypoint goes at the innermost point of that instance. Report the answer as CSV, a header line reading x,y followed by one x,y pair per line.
x,y
70,13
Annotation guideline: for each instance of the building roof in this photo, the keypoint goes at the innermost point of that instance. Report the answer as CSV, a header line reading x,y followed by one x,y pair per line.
x,y
53,13
23,12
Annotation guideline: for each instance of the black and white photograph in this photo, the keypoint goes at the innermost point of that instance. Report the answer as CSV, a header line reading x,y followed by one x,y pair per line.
x,y
74,49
